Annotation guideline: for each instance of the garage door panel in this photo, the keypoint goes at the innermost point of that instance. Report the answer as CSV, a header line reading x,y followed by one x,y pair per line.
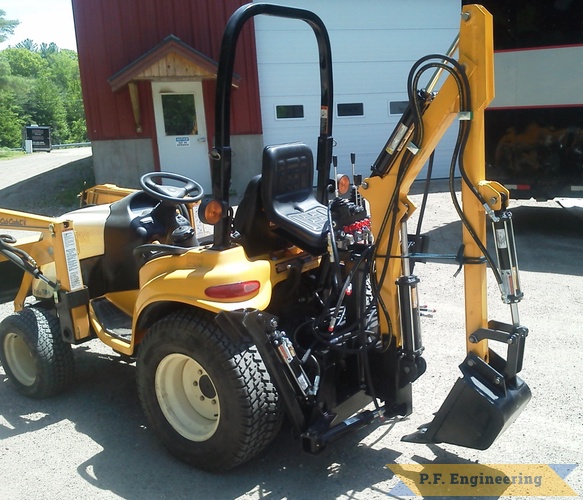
x,y
288,79
367,144
375,107
347,46
370,14
276,45
292,79
374,45
387,46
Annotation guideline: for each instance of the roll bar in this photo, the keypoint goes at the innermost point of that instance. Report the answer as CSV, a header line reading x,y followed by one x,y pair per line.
x,y
221,153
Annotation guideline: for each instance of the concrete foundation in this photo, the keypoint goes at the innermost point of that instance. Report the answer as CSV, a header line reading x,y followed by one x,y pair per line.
x,y
122,162
247,152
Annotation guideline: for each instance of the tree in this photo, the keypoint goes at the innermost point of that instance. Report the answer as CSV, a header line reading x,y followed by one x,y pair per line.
x,y
64,71
5,71
27,44
11,122
25,63
47,49
40,84
6,26
47,108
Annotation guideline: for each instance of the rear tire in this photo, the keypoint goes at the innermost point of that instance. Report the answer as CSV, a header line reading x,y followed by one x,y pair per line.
x,y
34,356
210,400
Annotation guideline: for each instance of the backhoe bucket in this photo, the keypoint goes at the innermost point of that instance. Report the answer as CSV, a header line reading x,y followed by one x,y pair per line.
x,y
478,409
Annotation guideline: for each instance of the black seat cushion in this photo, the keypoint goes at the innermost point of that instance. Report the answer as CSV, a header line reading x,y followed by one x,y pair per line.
x,y
288,196
256,233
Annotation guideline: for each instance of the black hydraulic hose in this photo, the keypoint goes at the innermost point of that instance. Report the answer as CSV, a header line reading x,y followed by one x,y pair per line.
x,y
22,259
348,281
455,70
464,90
334,249
463,135
425,194
412,81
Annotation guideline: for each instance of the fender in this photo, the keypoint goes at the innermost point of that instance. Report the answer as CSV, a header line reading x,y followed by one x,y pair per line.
x,y
184,279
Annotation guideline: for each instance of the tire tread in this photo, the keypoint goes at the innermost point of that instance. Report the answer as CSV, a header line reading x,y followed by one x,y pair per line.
x,y
257,397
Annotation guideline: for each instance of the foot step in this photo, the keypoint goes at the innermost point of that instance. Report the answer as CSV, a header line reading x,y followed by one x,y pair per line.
x,y
112,319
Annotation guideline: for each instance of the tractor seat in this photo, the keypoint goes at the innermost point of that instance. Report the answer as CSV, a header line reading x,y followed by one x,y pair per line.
x,y
288,196
256,233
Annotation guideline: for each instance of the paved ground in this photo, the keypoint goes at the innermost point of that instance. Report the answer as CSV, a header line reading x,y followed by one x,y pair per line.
x,y
25,167
93,441
46,183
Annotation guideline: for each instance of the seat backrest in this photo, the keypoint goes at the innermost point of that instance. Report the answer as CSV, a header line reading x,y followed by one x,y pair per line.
x,y
256,234
288,196
288,172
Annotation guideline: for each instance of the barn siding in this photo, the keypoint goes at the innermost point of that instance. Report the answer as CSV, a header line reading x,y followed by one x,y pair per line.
x,y
112,34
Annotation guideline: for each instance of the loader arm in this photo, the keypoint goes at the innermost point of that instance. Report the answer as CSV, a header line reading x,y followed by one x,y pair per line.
x,y
33,241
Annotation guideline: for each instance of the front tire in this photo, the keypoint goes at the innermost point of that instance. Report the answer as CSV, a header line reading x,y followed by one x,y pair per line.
x,y
36,359
209,399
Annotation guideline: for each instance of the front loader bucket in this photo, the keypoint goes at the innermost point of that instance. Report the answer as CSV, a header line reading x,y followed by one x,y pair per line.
x,y
478,409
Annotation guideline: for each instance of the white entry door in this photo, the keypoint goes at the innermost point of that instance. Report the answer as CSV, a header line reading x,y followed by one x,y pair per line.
x,y
181,130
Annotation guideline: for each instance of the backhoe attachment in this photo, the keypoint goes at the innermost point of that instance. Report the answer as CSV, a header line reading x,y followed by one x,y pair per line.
x,y
485,401
490,395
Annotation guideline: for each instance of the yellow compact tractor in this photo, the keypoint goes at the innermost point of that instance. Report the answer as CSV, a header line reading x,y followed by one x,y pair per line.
x,y
303,302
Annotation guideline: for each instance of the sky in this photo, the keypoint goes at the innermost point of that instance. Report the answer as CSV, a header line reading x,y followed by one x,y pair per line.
x,y
43,21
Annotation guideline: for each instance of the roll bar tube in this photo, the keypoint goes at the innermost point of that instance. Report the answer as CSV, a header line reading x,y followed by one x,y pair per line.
x,y
221,153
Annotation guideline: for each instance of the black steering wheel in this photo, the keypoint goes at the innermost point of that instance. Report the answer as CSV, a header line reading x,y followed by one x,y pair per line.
x,y
188,191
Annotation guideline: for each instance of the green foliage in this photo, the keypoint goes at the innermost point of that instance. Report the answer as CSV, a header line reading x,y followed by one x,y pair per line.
x,y
10,120
47,108
40,84
25,63
6,26
27,44
7,154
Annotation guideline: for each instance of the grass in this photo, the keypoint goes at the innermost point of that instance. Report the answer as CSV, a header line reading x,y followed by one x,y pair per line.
x,y
7,154
68,196
63,195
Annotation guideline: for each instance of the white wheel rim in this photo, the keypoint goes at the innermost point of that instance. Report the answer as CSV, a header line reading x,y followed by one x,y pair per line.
x,y
187,397
19,359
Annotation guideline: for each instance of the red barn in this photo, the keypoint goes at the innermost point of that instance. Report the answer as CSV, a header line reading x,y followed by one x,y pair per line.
x,y
148,71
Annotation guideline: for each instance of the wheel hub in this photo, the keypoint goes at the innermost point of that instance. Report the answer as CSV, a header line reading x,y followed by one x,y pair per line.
x,y
187,397
20,359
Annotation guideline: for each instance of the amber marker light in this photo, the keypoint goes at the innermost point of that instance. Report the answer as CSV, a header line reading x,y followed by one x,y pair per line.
x,y
211,211
343,183
233,290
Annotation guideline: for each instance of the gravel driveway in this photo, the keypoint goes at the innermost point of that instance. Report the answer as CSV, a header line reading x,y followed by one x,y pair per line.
x,y
93,441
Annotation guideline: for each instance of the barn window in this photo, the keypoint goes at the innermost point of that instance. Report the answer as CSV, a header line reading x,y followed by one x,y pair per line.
x,y
351,109
179,114
287,111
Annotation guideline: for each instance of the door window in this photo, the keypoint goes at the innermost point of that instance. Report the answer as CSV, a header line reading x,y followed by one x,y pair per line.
x,y
179,114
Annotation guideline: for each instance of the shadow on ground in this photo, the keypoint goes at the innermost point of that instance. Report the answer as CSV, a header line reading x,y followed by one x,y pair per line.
x,y
51,193
549,239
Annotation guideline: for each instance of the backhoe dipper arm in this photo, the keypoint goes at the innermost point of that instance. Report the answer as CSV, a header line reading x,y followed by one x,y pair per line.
x,y
387,191
489,396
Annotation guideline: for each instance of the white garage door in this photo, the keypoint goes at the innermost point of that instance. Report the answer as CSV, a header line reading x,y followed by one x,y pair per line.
x,y
374,44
